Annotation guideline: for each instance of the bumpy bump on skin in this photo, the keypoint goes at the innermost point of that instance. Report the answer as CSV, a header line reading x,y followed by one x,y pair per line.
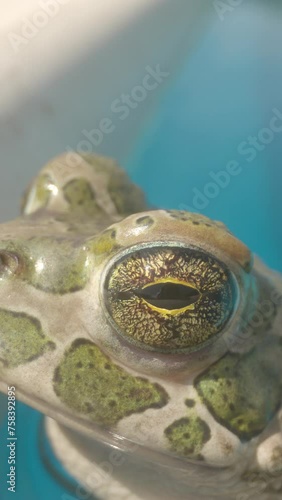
x,y
188,435
52,265
38,194
80,196
243,393
88,382
22,338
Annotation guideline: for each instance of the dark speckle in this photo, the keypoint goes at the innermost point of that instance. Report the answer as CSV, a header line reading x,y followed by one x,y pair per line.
x,y
190,403
89,408
51,345
57,376
146,220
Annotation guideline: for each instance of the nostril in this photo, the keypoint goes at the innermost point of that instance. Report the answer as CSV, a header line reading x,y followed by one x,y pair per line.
x,y
9,262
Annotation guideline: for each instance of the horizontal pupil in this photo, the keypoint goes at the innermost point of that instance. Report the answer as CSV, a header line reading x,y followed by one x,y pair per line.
x,y
169,295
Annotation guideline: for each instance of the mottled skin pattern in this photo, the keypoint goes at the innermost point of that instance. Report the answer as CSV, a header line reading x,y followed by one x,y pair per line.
x,y
155,326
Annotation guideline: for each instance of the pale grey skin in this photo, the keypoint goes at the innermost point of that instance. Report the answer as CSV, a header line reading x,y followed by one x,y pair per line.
x,y
199,420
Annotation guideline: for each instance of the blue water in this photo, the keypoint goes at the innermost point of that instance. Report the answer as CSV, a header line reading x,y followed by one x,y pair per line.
x,y
224,93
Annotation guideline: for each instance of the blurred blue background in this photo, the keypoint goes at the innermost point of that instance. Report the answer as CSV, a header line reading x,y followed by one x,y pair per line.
x,y
224,93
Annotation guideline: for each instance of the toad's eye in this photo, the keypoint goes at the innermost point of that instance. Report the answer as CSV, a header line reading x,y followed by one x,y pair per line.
x,y
169,299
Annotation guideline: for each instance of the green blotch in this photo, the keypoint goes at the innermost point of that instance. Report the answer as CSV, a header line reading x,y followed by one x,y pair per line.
x,y
53,264
188,435
103,244
80,197
21,339
88,382
41,190
243,393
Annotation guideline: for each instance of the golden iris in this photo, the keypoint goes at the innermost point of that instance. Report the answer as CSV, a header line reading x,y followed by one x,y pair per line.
x,y
169,299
